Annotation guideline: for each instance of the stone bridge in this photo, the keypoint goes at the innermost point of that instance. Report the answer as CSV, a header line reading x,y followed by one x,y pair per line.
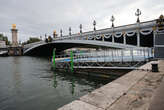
x,y
140,34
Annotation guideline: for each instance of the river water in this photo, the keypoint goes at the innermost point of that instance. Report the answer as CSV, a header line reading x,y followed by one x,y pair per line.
x,y
28,83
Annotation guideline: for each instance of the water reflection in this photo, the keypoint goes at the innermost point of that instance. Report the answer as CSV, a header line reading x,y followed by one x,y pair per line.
x,y
73,85
27,83
74,80
17,77
55,80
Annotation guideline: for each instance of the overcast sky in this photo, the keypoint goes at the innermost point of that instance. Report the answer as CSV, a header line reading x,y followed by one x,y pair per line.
x,y
37,17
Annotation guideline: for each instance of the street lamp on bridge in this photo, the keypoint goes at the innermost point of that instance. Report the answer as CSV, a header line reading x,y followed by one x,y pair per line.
x,y
112,20
138,13
80,28
94,25
70,31
61,32
45,35
40,37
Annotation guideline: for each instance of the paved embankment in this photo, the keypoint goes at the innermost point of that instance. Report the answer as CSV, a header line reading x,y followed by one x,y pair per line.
x,y
132,91
158,99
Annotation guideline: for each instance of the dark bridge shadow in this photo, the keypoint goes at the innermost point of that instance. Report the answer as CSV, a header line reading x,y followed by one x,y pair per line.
x,y
47,49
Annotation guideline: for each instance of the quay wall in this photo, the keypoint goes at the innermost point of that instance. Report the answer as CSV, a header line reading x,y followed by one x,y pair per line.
x,y
125,93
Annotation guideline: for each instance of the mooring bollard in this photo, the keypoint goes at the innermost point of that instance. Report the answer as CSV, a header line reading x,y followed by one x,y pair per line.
x,y
154,67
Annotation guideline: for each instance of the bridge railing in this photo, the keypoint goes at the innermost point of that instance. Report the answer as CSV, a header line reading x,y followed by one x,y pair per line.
x,y
130,27
72,37
95,35
32,44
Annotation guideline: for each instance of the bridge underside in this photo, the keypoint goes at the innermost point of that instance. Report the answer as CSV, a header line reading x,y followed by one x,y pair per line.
x,y
47,49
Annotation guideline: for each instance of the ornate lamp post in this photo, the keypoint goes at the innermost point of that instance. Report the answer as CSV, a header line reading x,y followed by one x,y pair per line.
x,y
160,22
46,39
40,37
70,31
112,20
45,35
138,13
61,33
54,34
94,25
80,28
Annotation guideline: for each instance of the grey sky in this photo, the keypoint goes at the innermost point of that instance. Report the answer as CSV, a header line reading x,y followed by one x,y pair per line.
x,y
37,17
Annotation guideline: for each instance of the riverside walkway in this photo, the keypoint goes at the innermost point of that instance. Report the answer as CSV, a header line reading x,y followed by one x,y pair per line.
x,y
133,91
158,99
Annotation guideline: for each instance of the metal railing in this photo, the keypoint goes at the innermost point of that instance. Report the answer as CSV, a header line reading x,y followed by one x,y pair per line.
x,y
106,58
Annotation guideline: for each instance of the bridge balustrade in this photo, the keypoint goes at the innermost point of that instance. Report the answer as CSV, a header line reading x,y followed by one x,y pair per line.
x,y
134,34
138,35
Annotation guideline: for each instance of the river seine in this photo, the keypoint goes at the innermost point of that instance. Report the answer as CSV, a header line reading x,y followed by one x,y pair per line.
x,y
28,83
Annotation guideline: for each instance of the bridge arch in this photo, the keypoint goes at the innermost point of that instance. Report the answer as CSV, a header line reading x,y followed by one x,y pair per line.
x,y
44,48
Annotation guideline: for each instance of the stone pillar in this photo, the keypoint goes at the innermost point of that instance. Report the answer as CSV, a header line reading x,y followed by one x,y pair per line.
x,y
94,37
103,37
154,34
112,33
14,32
124,36
112,37
138,34
138,38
